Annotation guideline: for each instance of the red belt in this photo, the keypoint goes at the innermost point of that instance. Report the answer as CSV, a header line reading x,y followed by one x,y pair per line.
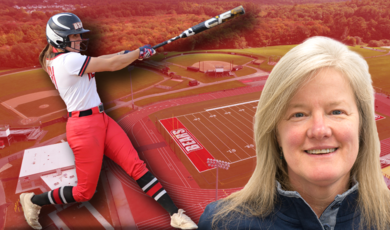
x,y
97,109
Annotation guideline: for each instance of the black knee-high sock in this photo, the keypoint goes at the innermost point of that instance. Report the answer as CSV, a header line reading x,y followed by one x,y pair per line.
x,y
150,185
62,195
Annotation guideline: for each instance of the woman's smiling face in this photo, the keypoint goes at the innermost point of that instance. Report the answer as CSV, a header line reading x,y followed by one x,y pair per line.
x,y
319,133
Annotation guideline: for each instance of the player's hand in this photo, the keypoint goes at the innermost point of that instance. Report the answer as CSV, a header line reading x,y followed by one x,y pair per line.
x,y
146,51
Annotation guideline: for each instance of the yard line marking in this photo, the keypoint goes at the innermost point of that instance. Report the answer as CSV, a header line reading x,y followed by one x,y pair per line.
x,y
240,114
227,106
248,114
215,136
235,118
229,137
229,121
184,115
218,136
250,111
243,159
209,140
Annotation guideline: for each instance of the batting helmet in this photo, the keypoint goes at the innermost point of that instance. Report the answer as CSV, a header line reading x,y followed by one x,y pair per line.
x,y
60,26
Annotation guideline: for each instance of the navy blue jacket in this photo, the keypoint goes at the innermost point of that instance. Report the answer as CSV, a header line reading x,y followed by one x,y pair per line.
x,y
292,213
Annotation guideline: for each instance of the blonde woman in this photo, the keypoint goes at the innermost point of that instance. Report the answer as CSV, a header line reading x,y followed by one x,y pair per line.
x,y
317,148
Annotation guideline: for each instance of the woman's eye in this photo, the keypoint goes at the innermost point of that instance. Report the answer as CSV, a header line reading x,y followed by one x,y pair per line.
x,y
298,115
336,112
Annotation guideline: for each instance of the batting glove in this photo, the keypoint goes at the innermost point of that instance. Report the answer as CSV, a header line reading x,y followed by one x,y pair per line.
x,y
146,51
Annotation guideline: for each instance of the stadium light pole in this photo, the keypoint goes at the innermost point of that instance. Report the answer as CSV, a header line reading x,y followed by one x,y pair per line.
x,y
217,164
130,68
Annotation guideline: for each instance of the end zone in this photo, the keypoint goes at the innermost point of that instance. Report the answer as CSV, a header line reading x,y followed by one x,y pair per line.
x,y
190,146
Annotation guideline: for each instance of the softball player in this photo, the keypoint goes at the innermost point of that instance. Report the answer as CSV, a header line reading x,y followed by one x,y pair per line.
x,y
90,132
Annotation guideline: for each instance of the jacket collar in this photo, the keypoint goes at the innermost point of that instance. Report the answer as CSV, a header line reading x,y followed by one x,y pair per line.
x,y
291,205
338,198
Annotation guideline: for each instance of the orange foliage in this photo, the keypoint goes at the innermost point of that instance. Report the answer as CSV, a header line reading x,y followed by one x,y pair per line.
x,y
129,25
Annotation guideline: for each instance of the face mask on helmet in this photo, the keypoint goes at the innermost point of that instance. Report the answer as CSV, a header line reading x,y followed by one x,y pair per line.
x,y
73,44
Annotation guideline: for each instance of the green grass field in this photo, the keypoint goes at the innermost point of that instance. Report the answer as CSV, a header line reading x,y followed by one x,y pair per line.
x,y
3,70
282,50
264,66
365,52
155,90
189,60
109,105
32,109
245,71
381,48
117,113
206,89
16,147
175,86
203,105
201,77
113,85
160,56
172,83
54,130
255,66
54,116
264,51
145,93
380,72
7,115
17,84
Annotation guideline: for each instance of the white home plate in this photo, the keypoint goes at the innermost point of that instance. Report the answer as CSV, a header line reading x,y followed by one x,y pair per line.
x,y
378,117
44,106
211,65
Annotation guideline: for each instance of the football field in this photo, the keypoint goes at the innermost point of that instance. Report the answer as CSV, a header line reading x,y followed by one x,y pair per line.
x,y
218,132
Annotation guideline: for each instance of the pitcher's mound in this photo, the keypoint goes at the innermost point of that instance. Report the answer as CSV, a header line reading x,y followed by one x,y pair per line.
x,y
211,65
44,106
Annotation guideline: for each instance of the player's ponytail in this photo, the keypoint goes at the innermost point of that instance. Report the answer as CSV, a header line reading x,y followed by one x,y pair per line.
x,y
45,54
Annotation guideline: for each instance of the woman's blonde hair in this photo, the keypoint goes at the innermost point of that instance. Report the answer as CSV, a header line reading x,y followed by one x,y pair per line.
x,y
259,195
